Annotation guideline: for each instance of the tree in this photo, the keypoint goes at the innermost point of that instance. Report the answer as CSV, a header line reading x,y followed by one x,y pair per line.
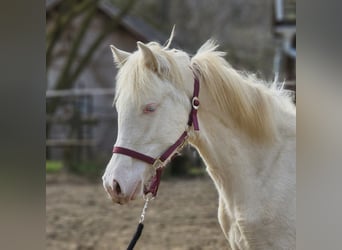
x,y
68,11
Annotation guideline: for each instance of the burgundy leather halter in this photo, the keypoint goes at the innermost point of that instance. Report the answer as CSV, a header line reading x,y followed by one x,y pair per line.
x,y
160,162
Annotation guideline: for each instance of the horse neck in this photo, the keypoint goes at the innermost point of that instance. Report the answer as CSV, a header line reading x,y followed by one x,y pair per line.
x,y
232,158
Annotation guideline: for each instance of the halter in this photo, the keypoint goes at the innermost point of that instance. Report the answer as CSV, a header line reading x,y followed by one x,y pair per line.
x,y
160,162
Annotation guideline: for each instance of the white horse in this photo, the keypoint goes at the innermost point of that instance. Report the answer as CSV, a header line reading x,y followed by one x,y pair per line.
x,y
247,138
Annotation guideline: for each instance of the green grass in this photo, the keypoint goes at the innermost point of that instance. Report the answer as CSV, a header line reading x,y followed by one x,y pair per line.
x,y
195,172
53,166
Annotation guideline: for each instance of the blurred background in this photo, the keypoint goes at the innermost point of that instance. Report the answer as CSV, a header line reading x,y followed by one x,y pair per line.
x,y
81,126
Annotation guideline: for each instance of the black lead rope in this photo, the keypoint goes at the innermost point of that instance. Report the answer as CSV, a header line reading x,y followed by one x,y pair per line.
x,y
140,227
136,236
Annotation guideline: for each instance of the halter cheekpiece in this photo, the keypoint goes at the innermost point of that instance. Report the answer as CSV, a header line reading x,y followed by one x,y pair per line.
x,y
160,162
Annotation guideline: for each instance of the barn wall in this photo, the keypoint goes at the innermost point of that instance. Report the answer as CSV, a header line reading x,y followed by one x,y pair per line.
x,y
243,28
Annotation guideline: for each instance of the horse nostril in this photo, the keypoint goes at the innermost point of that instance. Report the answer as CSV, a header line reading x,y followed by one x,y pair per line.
x,y
116,187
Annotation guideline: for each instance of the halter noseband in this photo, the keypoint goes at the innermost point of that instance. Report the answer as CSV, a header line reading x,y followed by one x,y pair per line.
x,y
160,162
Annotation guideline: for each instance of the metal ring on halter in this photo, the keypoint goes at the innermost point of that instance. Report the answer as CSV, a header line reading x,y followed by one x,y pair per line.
x,y
148,197
195,102
157,163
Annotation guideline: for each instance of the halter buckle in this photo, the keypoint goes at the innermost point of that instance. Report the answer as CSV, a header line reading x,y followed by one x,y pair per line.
x,y
195,102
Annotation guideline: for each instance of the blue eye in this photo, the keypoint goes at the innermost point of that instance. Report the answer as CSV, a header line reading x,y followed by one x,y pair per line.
x,y
149,108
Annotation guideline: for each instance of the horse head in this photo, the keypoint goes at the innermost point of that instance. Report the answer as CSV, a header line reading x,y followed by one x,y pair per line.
x,y
153,107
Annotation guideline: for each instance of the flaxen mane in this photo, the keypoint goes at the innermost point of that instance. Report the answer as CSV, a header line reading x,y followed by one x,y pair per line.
x,y
244,97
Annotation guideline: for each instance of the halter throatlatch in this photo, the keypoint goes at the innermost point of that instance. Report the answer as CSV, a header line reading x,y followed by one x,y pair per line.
x,y
160,162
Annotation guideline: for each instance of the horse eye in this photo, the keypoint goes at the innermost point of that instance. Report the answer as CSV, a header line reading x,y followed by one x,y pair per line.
x,y
149,108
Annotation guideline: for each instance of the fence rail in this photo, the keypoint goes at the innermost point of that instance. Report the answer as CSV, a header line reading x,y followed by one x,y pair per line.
x,y
69,143
79,92
75,131
84,119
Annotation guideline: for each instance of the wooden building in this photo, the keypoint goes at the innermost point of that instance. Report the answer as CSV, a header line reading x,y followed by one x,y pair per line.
x,y
284,29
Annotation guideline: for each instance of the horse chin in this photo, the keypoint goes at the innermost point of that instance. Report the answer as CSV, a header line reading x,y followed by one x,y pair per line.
x,y
120,201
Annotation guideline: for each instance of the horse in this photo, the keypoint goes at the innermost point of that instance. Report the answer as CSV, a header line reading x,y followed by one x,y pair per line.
x,y
246,136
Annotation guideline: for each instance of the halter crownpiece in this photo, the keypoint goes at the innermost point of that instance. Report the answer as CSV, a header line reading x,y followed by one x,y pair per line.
x,y
160,162
195,103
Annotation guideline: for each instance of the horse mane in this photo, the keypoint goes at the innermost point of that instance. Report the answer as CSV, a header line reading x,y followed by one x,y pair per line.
x,y
247,99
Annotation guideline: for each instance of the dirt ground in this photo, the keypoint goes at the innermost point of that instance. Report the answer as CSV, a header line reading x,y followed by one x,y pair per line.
x,y
80,216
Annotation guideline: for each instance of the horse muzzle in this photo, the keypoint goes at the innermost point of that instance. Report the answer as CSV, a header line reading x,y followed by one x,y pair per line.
x,y
118,194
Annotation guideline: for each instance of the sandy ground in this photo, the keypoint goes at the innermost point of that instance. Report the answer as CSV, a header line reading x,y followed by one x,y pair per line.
x,y
80,216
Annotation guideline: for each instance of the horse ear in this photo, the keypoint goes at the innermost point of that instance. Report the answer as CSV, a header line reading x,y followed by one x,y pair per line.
x,y
149,58
120,56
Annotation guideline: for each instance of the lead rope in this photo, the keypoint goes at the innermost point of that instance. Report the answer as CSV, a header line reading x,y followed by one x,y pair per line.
x,y
140,227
